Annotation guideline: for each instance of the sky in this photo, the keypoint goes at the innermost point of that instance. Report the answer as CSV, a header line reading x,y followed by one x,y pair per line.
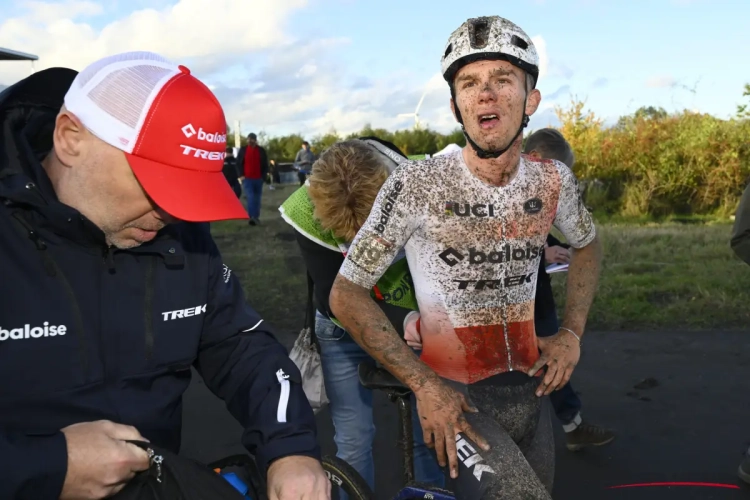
x,y
312,66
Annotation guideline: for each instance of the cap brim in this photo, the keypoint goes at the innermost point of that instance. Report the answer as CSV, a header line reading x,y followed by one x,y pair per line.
x,y
188,195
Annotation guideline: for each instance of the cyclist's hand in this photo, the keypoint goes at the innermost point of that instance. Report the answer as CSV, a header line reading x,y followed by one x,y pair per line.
x,y
298,478
441,412
100,462
560,353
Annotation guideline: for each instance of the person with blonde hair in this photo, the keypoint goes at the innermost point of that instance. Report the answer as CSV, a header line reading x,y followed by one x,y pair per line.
x,y
326,213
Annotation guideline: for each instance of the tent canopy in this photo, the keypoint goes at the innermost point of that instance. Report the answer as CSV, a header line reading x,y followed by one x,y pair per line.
x,y
14,55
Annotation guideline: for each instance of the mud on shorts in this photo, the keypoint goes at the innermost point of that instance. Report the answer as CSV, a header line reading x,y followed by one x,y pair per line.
x,y
516,423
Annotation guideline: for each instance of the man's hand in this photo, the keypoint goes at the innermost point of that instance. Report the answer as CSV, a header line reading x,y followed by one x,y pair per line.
x,y
560,353
298,478
412,336
100,462
441,412
556,255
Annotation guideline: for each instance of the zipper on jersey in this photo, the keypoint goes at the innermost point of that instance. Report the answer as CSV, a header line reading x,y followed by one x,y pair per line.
x,y
283,379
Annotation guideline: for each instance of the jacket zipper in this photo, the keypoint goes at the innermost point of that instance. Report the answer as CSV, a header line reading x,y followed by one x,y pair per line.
x,y
283,397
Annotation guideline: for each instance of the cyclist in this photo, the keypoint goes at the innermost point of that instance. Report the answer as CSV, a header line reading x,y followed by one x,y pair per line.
x,y
326,213
112,287
549,143
473,225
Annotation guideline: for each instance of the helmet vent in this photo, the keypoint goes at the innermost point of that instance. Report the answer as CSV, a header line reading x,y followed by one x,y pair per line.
x,y
448,50
519,42
479,33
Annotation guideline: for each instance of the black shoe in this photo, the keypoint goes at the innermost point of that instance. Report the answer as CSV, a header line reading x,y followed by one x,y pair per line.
x,y
588,435
252,221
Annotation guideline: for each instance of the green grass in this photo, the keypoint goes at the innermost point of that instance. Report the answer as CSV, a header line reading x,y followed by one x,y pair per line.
x,y
670,275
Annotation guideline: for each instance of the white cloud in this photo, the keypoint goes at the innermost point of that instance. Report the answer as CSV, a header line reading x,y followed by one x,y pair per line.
x,y
206,34
541,48
661,82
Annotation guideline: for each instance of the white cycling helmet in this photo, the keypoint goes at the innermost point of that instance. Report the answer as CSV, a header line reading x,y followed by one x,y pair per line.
x,y
493,38
489,38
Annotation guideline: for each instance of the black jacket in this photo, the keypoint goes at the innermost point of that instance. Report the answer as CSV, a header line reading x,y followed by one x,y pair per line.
x,y
90,333
545,311
240,162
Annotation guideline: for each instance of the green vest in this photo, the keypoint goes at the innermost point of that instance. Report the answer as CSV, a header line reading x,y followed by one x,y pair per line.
x,y
394,287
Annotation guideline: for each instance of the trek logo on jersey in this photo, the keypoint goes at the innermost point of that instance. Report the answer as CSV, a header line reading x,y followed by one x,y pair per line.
x,y
470,458
468,210
495,284
451,256
533,206
184,313
32,332
387,209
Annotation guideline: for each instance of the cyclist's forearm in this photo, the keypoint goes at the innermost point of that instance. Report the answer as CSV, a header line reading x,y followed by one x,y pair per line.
x,y
371,329
583,277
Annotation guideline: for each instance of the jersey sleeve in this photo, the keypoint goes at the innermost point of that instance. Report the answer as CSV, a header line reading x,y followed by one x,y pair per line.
x,y
395,215
572,218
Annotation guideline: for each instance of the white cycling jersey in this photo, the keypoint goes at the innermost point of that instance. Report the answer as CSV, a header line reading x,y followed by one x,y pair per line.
x,y
473,251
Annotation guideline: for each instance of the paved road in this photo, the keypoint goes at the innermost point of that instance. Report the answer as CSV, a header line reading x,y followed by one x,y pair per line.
x,y
691,427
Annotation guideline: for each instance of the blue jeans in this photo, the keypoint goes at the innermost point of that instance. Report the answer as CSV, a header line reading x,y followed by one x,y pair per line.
x,y
253,190
566,402
351,406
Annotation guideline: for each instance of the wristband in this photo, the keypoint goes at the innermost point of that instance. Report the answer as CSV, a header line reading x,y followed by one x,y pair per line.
x,y
572,333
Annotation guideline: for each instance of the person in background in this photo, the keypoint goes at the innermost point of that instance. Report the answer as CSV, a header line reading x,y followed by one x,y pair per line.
x,y
252,167
549,143
303,162
273,176
740,243
326,214
230,172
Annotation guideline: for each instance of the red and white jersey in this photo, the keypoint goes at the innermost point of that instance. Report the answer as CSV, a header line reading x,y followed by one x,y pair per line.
x,y
473,251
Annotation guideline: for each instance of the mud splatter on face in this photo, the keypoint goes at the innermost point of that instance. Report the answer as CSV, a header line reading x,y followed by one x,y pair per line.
x,y
490,96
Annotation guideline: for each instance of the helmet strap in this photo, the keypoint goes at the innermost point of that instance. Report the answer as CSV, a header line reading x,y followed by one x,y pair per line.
x,y
484,153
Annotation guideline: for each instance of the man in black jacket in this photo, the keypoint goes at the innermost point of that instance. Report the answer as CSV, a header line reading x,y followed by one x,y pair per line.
x,y
549,143
112,287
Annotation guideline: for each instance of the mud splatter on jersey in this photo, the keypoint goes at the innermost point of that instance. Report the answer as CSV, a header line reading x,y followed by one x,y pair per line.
x,y
473,250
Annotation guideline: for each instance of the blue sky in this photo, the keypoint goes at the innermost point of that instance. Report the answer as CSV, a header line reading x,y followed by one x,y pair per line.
x,y
309,65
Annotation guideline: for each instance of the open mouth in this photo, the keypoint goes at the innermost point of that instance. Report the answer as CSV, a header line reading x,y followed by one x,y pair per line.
x,y
488,121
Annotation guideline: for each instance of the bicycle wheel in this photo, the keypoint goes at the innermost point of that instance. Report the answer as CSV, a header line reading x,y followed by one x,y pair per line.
x,y
344,478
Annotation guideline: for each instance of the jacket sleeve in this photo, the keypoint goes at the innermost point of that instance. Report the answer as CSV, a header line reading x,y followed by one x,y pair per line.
x,y
243,364
32,467
740,241
323,265
263,163
238,162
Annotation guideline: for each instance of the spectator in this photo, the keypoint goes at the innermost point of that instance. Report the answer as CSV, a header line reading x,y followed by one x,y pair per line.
x,y
548,143
303,162
252,167
230,172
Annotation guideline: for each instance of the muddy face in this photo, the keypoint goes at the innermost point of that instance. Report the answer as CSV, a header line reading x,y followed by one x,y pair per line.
x,y
490,96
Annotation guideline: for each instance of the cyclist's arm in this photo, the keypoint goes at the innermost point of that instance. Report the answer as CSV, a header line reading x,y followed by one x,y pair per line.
x,y
395,215
577,226
244,364
323,265
32,467
740,241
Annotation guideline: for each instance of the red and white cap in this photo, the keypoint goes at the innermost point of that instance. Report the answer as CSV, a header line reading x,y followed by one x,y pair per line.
x,y
170,126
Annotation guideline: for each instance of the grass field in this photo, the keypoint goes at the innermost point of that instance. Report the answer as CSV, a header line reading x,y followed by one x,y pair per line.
x,y
655,276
